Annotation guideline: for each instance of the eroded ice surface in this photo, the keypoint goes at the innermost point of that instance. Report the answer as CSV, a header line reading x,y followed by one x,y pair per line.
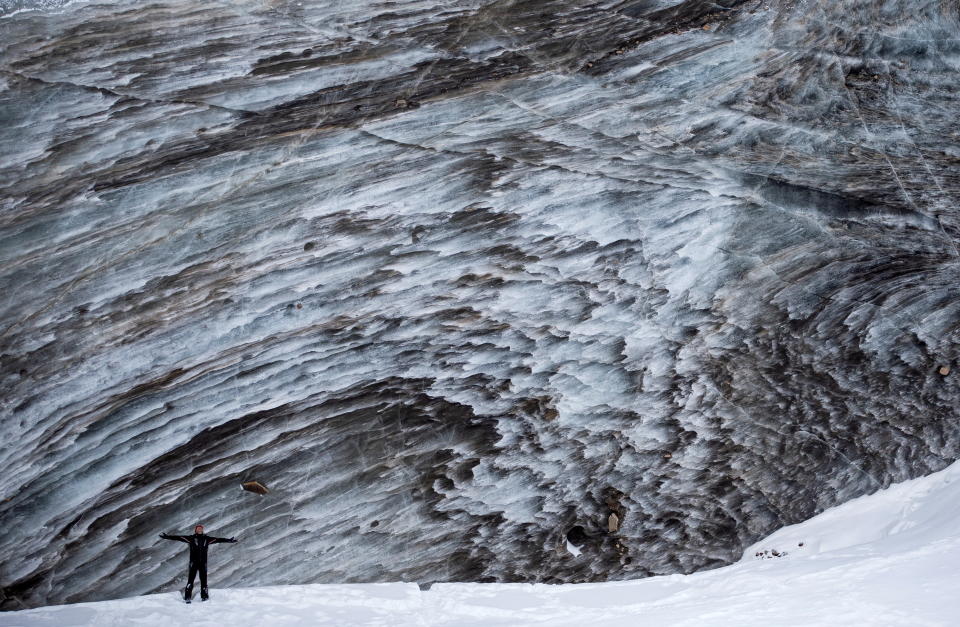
x,y
457,280
884,559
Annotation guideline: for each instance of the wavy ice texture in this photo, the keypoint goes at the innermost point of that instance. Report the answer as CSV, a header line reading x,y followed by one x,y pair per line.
x,y
458,280
884,559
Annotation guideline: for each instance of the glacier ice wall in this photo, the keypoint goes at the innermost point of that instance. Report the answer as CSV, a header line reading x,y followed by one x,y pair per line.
x,y
459,279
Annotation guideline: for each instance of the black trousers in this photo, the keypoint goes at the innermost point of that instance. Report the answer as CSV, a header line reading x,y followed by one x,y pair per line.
x,y
192,574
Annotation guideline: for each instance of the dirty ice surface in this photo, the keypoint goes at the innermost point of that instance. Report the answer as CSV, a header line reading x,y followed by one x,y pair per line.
x,y
891,558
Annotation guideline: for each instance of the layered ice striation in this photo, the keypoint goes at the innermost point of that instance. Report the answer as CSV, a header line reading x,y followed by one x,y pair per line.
x,y
457,280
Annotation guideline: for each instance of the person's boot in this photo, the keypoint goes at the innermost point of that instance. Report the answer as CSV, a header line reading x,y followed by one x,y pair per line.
x,y
204,595
188,593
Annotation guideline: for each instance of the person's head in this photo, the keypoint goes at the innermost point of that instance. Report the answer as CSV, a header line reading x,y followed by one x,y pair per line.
x,y
198,529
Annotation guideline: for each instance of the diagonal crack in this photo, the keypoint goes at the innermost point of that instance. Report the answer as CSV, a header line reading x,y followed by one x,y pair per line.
x,y
117,94
513,159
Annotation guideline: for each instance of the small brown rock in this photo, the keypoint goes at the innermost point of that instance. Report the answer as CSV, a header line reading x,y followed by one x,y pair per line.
x,y
944,370
255,486
613,522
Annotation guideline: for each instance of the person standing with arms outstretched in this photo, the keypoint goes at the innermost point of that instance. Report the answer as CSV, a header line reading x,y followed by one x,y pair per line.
x,y
198,559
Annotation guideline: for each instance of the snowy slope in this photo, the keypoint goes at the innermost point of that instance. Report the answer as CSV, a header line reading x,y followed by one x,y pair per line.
x,y
890,558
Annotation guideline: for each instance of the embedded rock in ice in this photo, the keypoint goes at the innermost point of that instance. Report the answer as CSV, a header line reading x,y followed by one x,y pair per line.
x,y
463,282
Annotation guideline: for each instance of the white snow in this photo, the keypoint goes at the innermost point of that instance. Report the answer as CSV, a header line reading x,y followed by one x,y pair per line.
x,y
891,558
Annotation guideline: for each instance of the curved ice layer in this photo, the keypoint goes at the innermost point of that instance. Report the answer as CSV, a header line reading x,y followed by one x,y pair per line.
x,y
887,558
459,280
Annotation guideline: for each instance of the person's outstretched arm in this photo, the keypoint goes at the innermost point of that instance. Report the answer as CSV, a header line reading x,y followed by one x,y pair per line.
x,y
216,540
167,536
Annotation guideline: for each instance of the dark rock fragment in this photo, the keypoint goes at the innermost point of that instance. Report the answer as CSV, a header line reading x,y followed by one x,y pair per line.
x,y
255,486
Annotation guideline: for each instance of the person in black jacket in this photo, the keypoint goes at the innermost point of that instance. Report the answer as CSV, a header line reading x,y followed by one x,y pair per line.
x,y
198,559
